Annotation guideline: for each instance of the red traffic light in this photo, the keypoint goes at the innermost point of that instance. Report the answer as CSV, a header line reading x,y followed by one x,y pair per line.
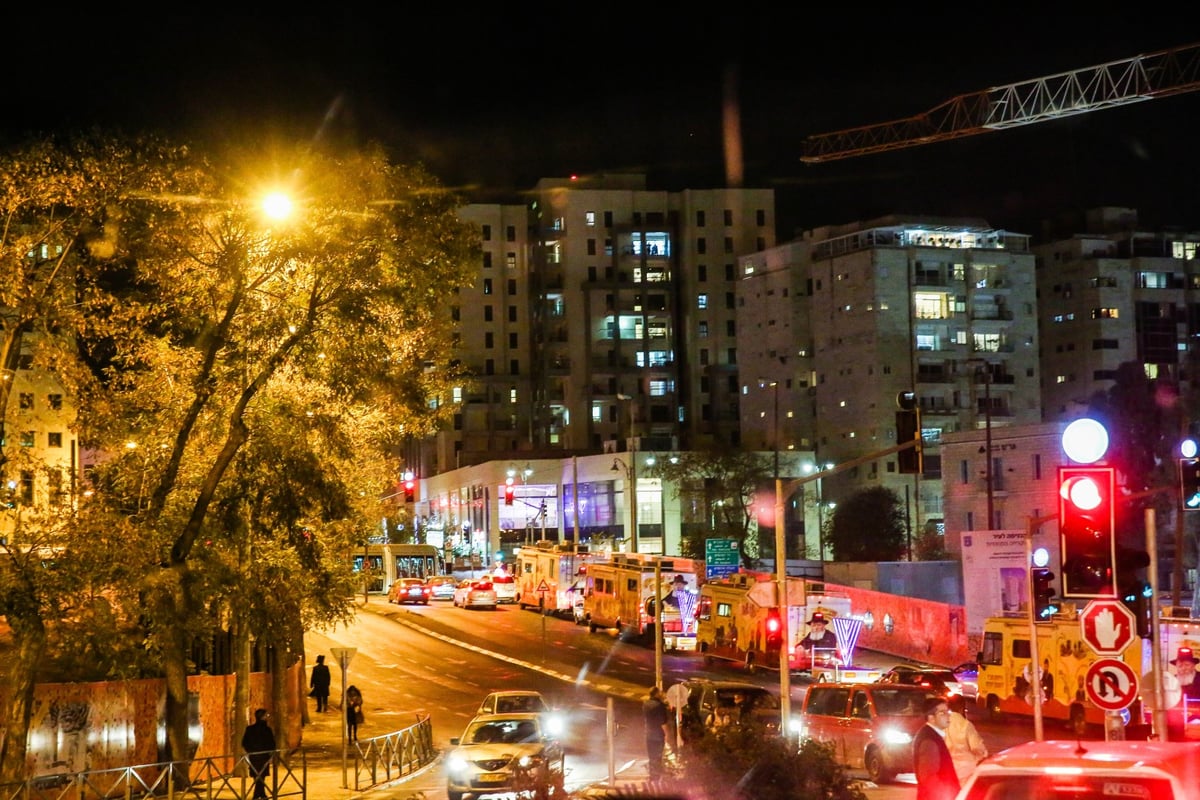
x,y
1086,526
508,494
410,490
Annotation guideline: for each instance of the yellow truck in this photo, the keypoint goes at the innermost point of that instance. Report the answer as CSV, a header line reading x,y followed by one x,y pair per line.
x,y
738,620
545,572
1006,682
621,594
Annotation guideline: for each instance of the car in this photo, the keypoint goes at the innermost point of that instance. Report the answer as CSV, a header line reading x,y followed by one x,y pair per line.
x,y
714,703
512,701
968,678
441,587
934,680
502,753
474,594
870,725
1088,769
576,592
409,590
505,586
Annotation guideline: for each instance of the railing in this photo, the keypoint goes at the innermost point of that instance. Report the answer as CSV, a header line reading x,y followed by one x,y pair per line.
x,y
394,755
202,779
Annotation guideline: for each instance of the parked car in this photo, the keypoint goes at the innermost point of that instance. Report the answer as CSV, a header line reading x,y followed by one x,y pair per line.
x,y
1092,769
934,680
409,590
474,594
968,678
505,586
525,701
713,703
578,587
871,725
500,753
441,587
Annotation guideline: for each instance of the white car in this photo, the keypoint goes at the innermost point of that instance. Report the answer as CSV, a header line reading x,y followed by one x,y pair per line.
x,y
474,594
1088,769
524,701
501,753
505,586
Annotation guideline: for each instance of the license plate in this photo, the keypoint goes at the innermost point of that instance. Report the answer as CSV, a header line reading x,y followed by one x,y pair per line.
x,y
492,777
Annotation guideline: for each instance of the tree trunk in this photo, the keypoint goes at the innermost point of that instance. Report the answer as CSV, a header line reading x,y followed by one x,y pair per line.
x,y
175,669
29,638
241,692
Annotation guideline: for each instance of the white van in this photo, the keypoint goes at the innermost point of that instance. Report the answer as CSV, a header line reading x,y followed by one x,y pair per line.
x,y
505,586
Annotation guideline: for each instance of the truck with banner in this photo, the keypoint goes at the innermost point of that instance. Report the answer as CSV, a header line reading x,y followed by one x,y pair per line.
x,y
621,593
546,571
739,620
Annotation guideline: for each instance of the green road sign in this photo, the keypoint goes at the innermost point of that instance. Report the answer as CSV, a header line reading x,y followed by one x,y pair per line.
x,y
720,558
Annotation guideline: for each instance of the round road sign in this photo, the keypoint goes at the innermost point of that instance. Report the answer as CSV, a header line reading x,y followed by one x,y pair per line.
x,y
1111,684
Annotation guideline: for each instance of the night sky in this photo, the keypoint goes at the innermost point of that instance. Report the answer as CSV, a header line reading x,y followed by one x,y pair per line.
x,y
493,103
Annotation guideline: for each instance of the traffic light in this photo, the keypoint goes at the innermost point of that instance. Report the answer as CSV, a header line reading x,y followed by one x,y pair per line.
x,y
774,626
909,461
1086,529
410,490
508,491
1045,605
1136,596
1189,484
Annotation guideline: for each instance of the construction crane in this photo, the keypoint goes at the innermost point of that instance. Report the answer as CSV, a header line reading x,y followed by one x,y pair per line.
x,y
1117,83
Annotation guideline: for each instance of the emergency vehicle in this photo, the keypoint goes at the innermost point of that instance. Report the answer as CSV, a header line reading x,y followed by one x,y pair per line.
x,y
738,620
621,594
1005,685
1004,669
554,566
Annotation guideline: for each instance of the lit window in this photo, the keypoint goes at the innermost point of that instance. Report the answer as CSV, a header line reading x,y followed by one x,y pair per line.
x,y
512,395
456,394
702,301
590,218
596,413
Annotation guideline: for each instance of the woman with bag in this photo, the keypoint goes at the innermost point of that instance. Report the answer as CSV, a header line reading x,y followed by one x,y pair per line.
x,y
354,712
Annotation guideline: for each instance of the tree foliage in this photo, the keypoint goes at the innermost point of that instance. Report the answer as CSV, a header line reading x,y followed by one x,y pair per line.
x,y
247,381
868,526
720,488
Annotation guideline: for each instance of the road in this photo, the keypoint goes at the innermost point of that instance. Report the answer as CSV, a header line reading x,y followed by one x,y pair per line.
x,y
442,660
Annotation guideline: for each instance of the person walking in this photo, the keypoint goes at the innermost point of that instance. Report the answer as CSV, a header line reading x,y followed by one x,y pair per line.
x,y
936,778
319,683
963,740
354,712
259,743
654,713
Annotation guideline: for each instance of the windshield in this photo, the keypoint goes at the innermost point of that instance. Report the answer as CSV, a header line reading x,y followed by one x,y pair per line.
x,y
898,702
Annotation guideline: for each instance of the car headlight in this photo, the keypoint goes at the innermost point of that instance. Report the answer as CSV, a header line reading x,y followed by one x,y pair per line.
x,y
896,736
455,762
796,725
556,724
526,761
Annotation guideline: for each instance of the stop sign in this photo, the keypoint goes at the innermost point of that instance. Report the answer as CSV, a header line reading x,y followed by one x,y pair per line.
x,y
1107,626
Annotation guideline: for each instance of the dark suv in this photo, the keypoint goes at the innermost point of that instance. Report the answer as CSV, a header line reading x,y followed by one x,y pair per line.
x,y
714,703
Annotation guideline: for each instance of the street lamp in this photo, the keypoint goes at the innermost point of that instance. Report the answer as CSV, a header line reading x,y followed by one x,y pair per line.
x,y
631,482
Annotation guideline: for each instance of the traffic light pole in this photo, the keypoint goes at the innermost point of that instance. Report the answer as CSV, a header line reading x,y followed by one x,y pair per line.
x,y
1159,716
1035,659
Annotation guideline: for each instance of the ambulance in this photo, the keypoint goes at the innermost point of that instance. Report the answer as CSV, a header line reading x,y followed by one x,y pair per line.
x,y
545,572
620,593
738,620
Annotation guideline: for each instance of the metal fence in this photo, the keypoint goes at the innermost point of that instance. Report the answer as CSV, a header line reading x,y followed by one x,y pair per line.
x,y
376,761
394,755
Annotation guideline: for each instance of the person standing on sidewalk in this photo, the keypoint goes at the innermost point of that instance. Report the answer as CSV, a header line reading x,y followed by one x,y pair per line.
x,y
936,778
259,743
654,713
354,712
319,683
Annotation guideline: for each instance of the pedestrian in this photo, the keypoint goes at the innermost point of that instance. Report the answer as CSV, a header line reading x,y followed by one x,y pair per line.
x,y
654,713
319,682
354,712
259,743
936,778
963,740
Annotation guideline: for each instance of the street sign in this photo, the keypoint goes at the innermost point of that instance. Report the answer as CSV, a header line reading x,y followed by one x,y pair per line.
x,y
720,558
543,587
343,655
1111,684
1107,626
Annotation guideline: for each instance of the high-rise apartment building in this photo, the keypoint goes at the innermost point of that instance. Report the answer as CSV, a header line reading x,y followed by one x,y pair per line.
x,y
1114,294
846,318
605,312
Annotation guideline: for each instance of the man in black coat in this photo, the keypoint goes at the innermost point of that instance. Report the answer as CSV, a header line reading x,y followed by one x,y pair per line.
x,y
654,712
936,778
319,682
259,743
